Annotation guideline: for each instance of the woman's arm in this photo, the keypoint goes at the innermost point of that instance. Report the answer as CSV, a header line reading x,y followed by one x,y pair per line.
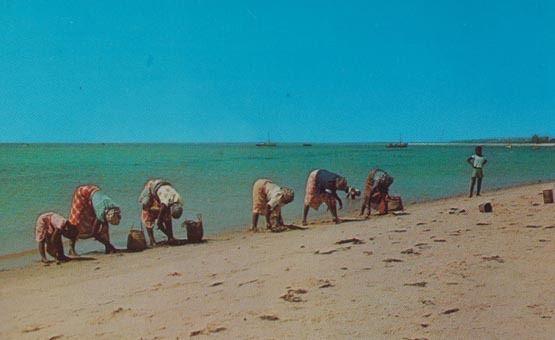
x,y
338,200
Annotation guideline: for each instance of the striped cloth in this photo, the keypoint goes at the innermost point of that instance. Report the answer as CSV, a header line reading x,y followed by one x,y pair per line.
x,y
82,214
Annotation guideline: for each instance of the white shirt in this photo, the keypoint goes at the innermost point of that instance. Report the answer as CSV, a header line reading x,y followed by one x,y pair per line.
x,y
478,161
168,195
274,193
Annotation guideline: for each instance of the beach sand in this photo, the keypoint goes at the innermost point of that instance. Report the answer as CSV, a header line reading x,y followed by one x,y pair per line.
x,y
444,270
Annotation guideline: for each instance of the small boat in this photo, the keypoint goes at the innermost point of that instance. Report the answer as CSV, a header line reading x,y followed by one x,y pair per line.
x,y
307,144
268,143
509,146
397,145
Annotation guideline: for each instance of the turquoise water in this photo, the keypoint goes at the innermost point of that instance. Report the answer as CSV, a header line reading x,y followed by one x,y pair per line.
x,y
216,180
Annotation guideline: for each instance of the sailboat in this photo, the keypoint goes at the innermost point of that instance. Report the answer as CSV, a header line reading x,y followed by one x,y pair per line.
x,y
398,145
268,143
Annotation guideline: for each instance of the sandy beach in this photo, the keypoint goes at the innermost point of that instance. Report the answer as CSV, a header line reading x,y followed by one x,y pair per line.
x,y
443,270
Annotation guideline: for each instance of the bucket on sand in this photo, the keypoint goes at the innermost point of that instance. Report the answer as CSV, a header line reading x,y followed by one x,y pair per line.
x,y
548,196
485,207
394,203
136,240
195,230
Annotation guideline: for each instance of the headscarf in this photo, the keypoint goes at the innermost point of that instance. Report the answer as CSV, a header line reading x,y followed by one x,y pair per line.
x,y
176,210
101,204
287,195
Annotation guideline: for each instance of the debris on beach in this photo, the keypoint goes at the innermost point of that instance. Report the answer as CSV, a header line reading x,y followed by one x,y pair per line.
x,y
247,282
291,295
174,274
389,260
410,251
353,240
399,213
399,230
32,329
416,284
330,251
533,226
217,283
325,284
457,211
207,331
450,311
269,317
496,258
485,207
440,240
368,252
483,223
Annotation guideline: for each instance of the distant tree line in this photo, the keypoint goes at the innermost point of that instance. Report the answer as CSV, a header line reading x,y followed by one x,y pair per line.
x,y
539,139
535,139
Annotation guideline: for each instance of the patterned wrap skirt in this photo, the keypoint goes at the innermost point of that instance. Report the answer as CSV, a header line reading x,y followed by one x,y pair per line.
x,y
313,197
82,213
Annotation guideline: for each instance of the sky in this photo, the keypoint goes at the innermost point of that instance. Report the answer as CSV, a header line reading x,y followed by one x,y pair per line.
x,y
238,71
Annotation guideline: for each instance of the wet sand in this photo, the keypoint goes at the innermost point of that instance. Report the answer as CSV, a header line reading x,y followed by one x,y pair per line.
x,y
443,270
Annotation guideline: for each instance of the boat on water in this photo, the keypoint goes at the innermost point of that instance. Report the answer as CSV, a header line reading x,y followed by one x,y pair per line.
x,y
307,144
268,143
397,145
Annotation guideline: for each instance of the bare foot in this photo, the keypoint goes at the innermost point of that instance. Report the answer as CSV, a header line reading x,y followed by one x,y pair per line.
x,y
338,220
304,223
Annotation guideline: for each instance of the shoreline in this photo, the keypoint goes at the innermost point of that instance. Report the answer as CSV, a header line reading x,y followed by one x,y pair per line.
x,y
442,270
24,258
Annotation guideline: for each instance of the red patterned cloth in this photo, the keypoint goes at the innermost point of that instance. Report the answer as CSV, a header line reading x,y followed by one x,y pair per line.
x,y
82,213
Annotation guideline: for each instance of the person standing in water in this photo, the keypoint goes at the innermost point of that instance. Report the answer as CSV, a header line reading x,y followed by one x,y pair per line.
x,y
321,187
477,161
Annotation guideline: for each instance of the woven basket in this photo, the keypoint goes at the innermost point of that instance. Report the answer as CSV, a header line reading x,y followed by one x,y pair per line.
x,y
395,203
136,240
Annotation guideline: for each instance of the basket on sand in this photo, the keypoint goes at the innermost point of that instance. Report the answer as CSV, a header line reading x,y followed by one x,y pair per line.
x,y
136,240
394,203
195,230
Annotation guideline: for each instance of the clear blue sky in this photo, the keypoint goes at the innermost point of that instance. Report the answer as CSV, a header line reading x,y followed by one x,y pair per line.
x,y
212,71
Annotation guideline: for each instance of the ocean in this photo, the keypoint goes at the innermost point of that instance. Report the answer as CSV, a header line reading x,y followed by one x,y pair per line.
x,y
215,179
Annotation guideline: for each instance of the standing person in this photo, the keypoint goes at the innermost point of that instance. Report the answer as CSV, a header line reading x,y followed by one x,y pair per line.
x,y
321,187
376,190
267,200
160,203
49,229
477,161
92,212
